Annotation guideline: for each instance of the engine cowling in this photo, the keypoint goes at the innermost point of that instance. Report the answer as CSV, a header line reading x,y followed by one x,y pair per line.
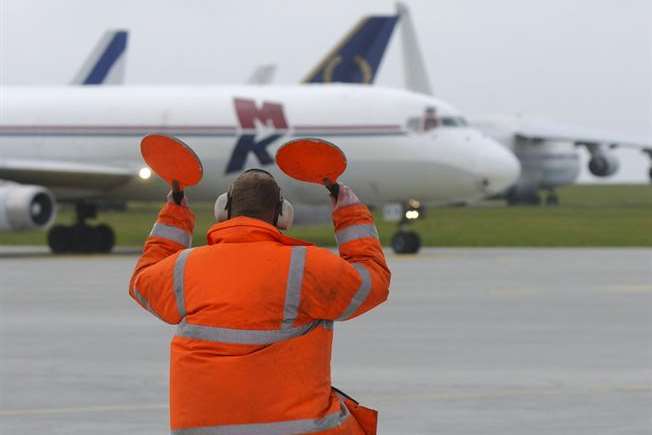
x,y
603,164
24,207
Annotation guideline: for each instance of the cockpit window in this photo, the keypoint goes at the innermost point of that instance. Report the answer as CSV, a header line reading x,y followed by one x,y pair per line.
x,y
430,120
453,121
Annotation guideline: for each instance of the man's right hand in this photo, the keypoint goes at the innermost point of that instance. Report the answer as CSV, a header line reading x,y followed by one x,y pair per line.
x,y
344,198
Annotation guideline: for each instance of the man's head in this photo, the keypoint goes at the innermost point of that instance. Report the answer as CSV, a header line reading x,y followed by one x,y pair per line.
x,y
255,194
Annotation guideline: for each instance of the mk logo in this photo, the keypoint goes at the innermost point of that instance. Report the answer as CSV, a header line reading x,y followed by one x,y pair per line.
x,y
253,119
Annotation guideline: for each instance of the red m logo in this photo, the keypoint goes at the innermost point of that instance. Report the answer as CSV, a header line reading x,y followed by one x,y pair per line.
x,y
248,112
248,142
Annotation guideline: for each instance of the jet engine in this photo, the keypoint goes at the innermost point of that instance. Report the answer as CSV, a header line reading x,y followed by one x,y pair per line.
x,y
603,164
24,207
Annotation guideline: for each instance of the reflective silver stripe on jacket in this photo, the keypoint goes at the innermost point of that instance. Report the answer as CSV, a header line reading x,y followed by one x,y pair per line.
x,y
144,302
171,233
293,286
330,421
361,294
179,281
355,232
242,336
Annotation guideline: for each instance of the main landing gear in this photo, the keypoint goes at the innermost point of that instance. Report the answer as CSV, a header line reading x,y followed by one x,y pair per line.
x,y
81,237
532,198
523,198
405,241
552,200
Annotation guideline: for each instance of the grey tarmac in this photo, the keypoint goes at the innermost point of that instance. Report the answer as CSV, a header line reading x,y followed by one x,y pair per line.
x,y
471,341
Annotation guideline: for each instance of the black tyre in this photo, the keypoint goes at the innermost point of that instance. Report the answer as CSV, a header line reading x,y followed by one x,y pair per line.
x,y
415,242
106,238
60,239
512,198
512,201
399,243
85,239
516,199
406,242
535,199
552,200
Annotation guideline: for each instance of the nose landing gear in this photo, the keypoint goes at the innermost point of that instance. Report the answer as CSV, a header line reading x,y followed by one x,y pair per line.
x,y
405,241
81,237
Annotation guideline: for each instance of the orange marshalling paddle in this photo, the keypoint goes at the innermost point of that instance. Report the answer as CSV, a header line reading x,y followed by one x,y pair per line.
x,y
312,160
173,161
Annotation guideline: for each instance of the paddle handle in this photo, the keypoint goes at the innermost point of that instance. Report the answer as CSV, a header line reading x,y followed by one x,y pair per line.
x,y
333,188
177,193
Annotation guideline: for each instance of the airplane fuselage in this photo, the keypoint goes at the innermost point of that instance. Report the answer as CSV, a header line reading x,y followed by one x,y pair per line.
x,y
236,127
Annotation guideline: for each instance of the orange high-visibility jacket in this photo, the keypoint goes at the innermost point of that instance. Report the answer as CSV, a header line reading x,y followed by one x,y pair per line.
x,y
255,312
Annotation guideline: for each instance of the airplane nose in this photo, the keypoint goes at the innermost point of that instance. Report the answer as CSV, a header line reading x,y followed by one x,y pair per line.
x,y
498,168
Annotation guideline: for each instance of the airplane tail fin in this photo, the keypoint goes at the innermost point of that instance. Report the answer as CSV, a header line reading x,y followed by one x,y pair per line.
x,y
106,63
262,75
414,67
356,58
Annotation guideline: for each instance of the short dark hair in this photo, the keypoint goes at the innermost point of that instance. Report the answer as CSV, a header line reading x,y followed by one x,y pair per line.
x,y
255,194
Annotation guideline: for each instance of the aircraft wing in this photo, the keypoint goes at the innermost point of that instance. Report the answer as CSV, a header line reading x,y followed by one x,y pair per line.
x,y
581,137
64,174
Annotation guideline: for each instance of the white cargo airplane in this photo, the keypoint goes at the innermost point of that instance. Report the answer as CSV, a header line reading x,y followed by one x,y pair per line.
x,y
79,144
548,152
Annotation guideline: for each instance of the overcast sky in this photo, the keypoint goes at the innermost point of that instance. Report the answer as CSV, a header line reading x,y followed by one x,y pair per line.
x,y
581,62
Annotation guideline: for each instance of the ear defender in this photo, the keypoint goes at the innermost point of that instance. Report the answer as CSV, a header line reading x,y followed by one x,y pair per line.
x,y
221,208
286,215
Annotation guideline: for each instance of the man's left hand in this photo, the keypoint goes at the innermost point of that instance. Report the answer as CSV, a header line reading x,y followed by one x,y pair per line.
x,y
184,199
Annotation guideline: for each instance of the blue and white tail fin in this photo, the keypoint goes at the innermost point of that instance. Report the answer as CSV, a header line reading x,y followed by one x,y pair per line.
x,y
414,67
106,63
356,58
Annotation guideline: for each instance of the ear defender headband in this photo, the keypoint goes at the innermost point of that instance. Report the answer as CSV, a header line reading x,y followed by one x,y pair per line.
x,y
283,210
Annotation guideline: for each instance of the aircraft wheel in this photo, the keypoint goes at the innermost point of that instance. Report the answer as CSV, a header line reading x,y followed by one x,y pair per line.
x,y
535,199
512,201
515,199
60,239
85,239
106,238
81,239
406,242
552,199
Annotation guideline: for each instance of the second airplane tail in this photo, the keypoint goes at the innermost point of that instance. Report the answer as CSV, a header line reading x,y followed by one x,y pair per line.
x,y
356,58
105,64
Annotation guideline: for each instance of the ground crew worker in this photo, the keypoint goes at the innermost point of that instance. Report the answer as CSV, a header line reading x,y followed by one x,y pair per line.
x,y
255,312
